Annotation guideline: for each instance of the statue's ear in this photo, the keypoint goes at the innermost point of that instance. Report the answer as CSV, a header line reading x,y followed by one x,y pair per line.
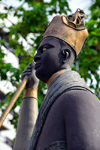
x,y
66,55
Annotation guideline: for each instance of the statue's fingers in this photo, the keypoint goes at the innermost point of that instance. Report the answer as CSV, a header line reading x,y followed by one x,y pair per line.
x,y
27,70
25,74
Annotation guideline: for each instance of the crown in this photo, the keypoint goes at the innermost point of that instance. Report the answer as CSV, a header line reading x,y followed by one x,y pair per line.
x,y
70,29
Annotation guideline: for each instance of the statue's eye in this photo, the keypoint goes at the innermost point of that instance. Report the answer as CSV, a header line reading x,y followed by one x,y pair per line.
x,y
44,48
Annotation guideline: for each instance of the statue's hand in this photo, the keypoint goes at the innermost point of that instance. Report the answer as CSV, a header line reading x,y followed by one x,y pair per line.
x,y
32,79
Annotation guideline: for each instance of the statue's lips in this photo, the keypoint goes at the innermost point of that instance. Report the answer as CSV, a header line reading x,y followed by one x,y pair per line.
x,y
37,65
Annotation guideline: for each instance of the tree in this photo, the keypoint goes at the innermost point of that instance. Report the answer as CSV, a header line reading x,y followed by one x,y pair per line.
x,y
89,59
31,24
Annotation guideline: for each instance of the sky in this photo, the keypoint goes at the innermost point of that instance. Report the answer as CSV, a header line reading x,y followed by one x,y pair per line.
x,y
74,4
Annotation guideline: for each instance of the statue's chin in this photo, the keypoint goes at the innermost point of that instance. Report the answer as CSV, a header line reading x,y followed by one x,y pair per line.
x,y
42,77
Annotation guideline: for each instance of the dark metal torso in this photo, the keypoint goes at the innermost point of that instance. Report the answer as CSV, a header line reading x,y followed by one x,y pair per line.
x,y
68,113
74,120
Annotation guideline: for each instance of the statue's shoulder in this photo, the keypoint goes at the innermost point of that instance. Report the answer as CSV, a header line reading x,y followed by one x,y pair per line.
x,y
78,98
74,94
77,94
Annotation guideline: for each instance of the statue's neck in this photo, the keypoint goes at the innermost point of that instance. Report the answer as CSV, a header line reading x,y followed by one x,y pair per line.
x,y
54,76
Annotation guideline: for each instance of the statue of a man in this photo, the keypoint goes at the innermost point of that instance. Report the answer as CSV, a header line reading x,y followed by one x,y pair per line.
x,y
69,116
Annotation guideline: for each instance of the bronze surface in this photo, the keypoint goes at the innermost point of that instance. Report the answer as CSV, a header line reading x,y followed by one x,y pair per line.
x,y
30,92
72,31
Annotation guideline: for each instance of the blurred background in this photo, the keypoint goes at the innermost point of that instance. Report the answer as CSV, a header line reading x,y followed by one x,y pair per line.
x,y
22,25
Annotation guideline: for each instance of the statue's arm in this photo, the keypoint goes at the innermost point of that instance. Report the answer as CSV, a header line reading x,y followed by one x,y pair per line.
x,y
28,112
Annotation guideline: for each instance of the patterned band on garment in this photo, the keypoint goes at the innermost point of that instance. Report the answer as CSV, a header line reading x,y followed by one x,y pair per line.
x,y
58,145
69,80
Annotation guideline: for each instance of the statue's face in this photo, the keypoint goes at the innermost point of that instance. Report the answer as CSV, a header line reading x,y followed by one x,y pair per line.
x,y
48,58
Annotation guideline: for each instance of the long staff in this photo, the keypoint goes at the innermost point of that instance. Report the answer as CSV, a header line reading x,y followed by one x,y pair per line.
x,y
13,100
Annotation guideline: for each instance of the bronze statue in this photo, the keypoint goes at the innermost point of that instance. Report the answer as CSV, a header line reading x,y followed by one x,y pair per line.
x,y
69,116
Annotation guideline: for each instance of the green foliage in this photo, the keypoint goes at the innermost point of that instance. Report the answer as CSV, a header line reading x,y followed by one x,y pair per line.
x,y
89,58
34,20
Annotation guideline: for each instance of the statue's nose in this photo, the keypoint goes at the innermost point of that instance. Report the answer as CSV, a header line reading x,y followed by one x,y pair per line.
x,y
37,57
